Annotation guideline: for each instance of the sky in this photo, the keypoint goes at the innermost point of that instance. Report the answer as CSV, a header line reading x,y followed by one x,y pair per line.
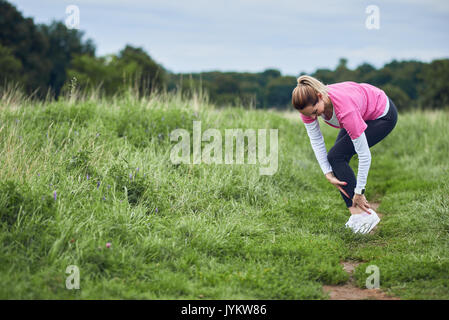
x,y
292,36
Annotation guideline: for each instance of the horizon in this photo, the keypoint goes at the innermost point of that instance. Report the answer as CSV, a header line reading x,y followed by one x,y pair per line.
x,y
190,38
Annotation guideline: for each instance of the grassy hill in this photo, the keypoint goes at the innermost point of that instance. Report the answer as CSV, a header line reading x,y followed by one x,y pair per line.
x,y
90,183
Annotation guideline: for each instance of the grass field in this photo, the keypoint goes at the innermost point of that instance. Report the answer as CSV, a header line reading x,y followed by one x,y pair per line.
x,y
76,175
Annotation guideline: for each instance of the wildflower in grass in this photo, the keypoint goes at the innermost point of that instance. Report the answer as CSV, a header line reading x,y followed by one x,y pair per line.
x,y
156,210
54,195
87,177
130,176
109,186
137,169
108,245
104,198
98,134
38,174
98,184
160,136
163,118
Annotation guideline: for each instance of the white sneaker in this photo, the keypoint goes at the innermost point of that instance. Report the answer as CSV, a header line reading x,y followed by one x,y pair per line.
x,y
355,221
371,220
363,222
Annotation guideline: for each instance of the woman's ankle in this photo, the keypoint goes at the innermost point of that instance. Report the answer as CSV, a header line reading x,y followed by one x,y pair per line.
x,y
355,210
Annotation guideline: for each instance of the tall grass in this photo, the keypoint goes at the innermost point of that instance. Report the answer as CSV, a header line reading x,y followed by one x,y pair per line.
x,y
85,170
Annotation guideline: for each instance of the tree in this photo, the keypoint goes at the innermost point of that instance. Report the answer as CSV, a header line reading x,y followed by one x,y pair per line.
x,y
365,73
342,73
92,73
10,66
326,76
267,75
434,90
131,67
27,45
279,92
64,44
405,76
44,52
136,64
401,100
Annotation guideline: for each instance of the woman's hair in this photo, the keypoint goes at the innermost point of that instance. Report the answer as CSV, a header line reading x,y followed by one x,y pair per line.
x,y
306,91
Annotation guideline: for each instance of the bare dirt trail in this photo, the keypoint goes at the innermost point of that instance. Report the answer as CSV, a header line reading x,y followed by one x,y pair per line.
x,y
349,291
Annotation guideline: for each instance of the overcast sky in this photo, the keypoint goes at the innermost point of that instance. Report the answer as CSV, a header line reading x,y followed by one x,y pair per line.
x,y
253,35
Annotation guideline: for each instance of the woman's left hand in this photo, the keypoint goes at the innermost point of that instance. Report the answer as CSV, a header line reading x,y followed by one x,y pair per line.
x,y
360,201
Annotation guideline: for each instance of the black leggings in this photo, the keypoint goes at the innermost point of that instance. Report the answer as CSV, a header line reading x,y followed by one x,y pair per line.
x,y
343,150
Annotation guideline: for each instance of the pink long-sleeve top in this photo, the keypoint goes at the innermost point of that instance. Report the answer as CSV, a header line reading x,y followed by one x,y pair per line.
x,y
354,103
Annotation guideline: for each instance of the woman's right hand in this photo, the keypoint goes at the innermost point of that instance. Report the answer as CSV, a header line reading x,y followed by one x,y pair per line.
x,y
337,183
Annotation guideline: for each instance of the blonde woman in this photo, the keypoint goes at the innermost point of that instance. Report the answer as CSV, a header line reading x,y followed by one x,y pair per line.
x,y
365,115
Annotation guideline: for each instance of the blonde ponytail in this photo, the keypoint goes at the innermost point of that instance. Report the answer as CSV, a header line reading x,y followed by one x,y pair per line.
x,y
306,91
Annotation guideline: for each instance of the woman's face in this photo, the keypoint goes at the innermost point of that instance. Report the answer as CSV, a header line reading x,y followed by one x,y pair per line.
x,y
315,110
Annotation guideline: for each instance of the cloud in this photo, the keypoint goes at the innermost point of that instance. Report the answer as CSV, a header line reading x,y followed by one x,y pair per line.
x,y
250,35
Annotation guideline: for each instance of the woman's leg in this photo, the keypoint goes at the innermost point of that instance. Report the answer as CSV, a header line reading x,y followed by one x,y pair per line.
x,y
343,150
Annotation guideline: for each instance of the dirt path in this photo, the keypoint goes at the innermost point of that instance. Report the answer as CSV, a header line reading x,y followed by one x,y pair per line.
x,y
349,291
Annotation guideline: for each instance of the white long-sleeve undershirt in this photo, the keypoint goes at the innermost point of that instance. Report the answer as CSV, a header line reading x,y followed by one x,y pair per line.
x,y
318,146
360,146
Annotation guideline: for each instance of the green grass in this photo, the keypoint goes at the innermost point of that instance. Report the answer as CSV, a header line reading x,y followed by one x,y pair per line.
x,y
207,231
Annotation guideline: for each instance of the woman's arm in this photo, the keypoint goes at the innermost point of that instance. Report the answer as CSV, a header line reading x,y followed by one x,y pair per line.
x,y
318,146
362,149
352,121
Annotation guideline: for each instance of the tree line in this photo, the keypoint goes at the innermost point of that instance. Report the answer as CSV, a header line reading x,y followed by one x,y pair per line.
x,y
46,60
